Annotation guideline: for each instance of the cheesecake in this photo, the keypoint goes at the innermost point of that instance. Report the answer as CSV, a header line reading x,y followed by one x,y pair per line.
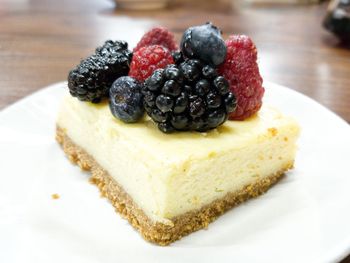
x,y
175,136
169,185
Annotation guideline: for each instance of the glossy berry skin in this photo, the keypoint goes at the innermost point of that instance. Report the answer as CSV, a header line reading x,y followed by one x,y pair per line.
x,y
126,99
158,36
191,70
241,70
209,72
205,43
148,59
164,103
93,77
182,98
178,57
222,85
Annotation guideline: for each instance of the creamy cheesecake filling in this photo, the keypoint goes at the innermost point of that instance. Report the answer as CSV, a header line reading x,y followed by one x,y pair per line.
x,y
168,175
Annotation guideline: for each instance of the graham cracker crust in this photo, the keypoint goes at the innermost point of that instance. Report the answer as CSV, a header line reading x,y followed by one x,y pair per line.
x,y
157,232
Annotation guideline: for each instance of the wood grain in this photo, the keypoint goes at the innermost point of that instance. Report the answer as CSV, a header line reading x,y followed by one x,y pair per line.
x,y
40,40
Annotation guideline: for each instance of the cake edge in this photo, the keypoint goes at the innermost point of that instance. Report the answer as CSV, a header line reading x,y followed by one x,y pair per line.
x,y
156,232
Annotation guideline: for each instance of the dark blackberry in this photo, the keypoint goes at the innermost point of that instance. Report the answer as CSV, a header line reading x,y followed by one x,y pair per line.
x,y
164,103
214,99
209,72
222,85
197,108
171,87
178,57
166,127
93,77
188,96
191,70
157,80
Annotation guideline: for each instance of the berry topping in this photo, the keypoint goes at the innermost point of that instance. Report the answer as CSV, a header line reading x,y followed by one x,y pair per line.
x,y
126,99
241,70
158,36
148,59
181,97
178,57
205,43
196,88
209,72
191,70
93,77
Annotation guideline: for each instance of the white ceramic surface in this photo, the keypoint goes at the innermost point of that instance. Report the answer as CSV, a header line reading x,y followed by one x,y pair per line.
x,y
304,218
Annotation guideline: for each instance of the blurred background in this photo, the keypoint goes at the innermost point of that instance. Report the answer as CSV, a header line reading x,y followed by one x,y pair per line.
x,y
41,40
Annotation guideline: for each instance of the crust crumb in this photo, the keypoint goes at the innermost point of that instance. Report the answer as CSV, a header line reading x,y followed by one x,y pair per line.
x,y
55,196
272,131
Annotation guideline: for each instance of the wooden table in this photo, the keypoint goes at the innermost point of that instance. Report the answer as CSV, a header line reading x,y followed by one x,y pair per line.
x,y
40,40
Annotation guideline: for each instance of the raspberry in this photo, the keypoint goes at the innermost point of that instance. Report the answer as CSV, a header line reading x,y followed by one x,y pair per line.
x,y
158,36
241,70
148,59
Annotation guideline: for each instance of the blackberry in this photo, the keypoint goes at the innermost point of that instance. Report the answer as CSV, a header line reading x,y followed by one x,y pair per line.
x,y
177,57
188,96
93,77
126,99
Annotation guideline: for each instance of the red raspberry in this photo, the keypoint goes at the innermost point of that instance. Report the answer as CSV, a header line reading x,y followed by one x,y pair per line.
x,y
148,59
241,70
158,36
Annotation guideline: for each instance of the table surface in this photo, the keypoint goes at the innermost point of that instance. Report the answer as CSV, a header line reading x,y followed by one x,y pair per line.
x,y
41,40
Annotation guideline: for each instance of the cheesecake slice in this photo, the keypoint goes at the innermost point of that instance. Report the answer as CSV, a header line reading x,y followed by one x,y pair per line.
x,y
169,185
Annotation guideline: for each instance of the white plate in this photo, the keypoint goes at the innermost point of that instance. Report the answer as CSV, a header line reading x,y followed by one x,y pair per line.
x,y
304,218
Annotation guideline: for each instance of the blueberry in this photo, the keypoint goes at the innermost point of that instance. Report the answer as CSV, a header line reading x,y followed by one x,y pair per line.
x,y
164,103
126,99
204,42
